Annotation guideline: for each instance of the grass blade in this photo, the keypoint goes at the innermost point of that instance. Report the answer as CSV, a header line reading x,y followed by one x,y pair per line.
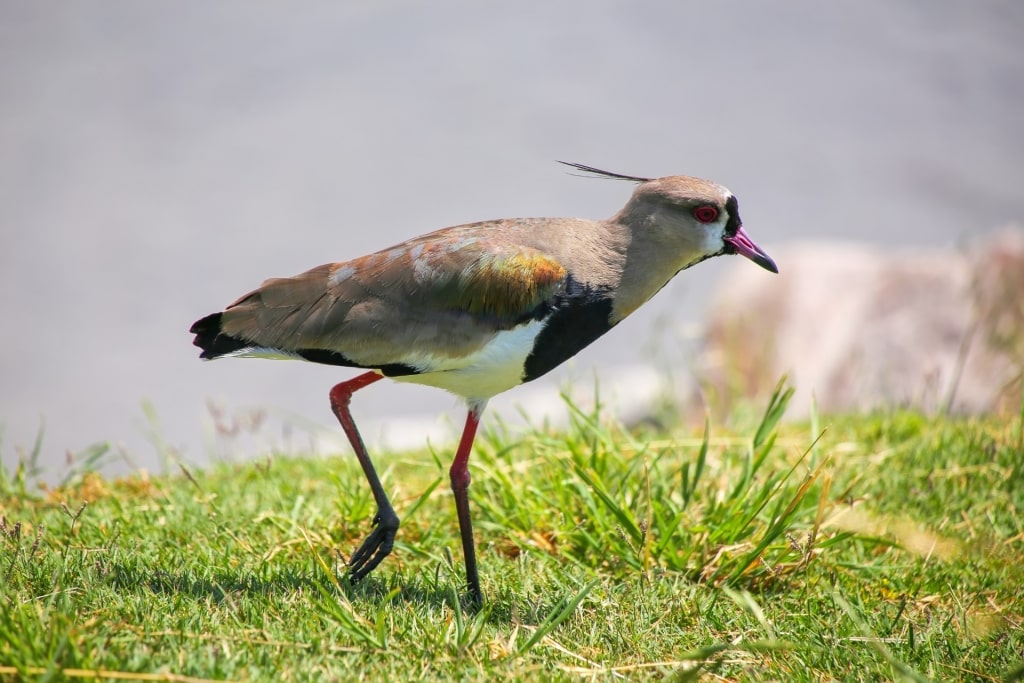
x,y
773,413
556,616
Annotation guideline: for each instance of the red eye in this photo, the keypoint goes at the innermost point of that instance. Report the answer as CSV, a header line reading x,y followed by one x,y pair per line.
x,y
705,213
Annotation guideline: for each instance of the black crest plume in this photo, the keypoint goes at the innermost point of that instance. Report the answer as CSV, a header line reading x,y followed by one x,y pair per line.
x,y
603,174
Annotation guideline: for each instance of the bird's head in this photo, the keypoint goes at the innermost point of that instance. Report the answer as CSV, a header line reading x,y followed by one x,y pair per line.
x,y
691,216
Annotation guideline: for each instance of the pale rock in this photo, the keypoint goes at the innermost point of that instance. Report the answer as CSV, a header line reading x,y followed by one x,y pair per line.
x,y
859,327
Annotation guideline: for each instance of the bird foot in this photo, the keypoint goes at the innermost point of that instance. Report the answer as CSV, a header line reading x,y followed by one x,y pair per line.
x,y
376,547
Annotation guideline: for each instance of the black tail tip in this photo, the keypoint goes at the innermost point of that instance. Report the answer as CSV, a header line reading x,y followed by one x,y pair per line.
x,y
207,325
210,340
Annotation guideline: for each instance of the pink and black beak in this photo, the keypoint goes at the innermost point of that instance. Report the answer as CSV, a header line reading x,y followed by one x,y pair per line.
x,y
740,243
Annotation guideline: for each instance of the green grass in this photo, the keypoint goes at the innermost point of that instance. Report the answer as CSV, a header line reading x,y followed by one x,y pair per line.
x,y
889,547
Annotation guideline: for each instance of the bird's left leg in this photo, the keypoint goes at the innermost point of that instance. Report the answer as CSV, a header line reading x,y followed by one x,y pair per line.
x,y
379,543
459,475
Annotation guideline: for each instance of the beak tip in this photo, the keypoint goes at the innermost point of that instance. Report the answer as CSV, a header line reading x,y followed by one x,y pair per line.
x,y
742,244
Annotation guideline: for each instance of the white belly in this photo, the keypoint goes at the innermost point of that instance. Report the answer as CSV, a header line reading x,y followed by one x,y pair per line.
x,y
495,368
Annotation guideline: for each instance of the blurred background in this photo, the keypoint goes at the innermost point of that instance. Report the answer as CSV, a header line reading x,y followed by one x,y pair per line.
x,y
159,159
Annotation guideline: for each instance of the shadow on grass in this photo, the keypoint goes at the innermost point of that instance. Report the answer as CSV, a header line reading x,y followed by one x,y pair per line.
x,y
372,591
218,585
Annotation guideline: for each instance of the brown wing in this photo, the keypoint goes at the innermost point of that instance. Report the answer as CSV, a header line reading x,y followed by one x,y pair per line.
x,y
443,295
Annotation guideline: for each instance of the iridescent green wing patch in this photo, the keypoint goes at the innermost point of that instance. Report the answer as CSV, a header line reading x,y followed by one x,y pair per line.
x,y
504,286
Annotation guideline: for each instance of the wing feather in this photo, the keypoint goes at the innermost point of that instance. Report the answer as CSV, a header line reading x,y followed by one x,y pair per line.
x,y
443,295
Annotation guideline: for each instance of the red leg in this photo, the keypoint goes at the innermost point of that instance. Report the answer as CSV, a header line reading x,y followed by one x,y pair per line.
x,y
459,475
379,543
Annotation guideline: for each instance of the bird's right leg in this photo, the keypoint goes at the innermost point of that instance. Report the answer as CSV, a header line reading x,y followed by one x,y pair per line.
x,y
379,543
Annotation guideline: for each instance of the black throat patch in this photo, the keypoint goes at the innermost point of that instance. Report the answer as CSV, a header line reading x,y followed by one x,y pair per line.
x,y
575,318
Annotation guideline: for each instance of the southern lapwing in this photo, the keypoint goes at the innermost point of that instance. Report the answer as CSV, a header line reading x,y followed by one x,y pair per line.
x,y
478,309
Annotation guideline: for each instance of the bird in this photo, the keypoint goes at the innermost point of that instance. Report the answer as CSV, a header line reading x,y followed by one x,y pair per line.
x,y
478,309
